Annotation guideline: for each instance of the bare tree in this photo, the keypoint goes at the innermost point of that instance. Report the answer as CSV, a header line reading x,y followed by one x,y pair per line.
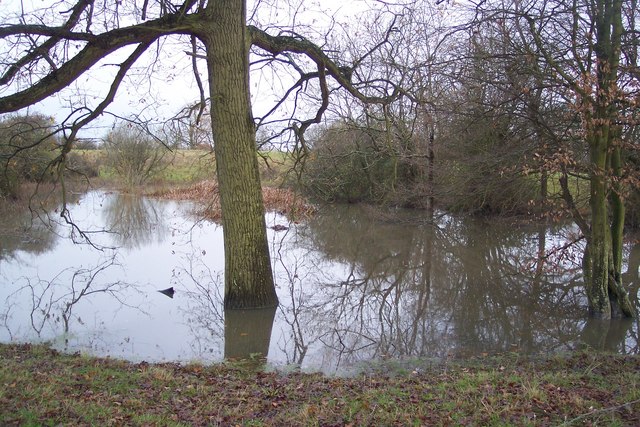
x,y
190,128
133,154
50,48
587,51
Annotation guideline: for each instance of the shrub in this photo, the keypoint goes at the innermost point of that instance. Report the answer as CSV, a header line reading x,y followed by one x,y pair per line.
x,y
349,165
27,148
82,164
485,188
133,154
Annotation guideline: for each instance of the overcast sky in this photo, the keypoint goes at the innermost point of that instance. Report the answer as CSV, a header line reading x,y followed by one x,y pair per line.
x,y
171,85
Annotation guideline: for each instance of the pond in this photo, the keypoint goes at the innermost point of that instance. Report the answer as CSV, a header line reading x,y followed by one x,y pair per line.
x,y
357,286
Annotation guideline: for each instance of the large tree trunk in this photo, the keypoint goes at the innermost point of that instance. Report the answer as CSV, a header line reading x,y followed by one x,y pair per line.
x,y
604,250
602,263
248,276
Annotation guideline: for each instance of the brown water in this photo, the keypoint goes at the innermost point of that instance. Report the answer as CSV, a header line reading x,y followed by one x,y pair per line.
x,y
356,286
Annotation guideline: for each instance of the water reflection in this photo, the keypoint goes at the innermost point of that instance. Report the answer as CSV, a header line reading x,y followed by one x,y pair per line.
x,y
458,287
353,286
26,228
632,275
136,221
247,333
20,233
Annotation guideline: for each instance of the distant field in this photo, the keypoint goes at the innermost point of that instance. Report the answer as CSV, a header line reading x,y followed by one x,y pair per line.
x,y
189,166
578,187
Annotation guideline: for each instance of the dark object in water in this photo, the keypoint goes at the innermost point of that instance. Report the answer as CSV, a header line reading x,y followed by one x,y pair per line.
x,y
168,292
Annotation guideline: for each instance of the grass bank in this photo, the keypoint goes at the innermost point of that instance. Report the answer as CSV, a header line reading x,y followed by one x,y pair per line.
x,y
43,387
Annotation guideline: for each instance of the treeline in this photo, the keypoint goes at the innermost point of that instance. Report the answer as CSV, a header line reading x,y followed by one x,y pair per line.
x,y
356,164
32,151
496,114
504,109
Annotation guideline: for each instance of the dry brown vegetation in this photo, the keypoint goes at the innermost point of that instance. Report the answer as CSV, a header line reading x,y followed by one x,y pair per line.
x,y
205,194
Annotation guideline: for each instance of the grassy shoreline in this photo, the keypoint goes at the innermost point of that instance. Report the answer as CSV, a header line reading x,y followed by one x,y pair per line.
x,y
43,387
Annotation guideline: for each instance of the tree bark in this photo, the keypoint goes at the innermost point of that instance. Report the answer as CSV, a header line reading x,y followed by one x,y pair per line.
x,y
597,254
604,289
248,276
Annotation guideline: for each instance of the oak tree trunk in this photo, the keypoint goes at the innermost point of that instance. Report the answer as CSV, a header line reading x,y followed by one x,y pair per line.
x,y
248,276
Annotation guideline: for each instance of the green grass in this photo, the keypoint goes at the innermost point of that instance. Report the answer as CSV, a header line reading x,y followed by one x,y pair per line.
x,y
274,167
578,187
42,387
188,166
180,167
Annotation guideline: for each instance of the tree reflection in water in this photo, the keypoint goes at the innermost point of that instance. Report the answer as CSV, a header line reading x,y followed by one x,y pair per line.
x,y
30,229
247,334
354,285
452,287
136,221
53,302
353,289
49,292
203,312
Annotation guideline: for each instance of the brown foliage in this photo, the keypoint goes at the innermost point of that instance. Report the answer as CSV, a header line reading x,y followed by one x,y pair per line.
x,y
287,202
205,193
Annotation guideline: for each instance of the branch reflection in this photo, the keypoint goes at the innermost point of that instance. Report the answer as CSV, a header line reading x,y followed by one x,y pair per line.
x,y
367,289
355,285
50,304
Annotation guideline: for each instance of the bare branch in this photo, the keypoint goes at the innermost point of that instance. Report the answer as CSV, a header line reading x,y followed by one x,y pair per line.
x,y
280,45
97,48
196,75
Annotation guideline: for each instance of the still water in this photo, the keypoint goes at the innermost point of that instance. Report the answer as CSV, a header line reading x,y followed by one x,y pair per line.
x,y
356,286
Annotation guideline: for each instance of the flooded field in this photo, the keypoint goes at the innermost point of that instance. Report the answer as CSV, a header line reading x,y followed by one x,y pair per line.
x,y
356,286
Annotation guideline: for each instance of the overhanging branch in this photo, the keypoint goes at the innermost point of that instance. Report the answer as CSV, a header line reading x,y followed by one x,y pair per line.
x,y
97,48
47,45
281,45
